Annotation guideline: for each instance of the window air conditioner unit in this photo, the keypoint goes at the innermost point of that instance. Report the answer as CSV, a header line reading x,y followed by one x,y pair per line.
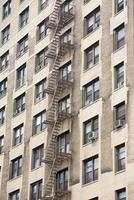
x,y
93,136
119,123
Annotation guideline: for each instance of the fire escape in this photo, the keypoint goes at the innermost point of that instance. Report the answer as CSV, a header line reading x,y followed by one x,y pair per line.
x,y
55,117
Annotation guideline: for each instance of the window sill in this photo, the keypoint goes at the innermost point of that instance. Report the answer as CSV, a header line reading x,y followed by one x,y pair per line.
x,y
35,134
36,71
89,68
2,153
4,69
119,172
15,146
118,88
36,102
118,129
19,87
15,115
2,96
34,169
87,184
20,56
13,179
117,13
90,104
21,27
39,40
115,51
84,145
88,34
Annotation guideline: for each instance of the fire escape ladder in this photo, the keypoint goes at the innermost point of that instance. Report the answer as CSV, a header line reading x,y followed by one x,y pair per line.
x,y
56,50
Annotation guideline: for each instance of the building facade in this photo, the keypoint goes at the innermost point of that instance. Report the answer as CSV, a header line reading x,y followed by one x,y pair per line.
x,y
66,99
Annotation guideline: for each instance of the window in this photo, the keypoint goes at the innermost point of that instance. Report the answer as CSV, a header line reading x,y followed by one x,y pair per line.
x,y
39,122
24,17
6,9
4,61
92,55
65,105
2,115
41,60
66,38
43,29
5,34
62,181
18,135
64,143
1,144
3,87
119,5
120,118
93,20
16,167
67,7
43,4
120,157
66,72
22,46
121,194
14,195
37,157
36,190
119,33
40,90
90,129
91,92
119,75
91,170
19,104
21,76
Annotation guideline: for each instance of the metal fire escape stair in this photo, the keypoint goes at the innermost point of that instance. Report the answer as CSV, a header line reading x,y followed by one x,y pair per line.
x,y
55,87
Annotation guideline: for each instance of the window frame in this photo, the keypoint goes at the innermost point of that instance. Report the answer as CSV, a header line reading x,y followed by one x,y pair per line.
x,y
19,104
119,159
41,60
96,23
92,93
42,126
64,143
62,180
22,46
20,129
42,25
24,17
65,73
39,188
92,56
92,121
16,167
5,35
21,76
8,12
118,192
94,171
40,92
119,76
117,8
119,43
16,193
1,144
4,58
